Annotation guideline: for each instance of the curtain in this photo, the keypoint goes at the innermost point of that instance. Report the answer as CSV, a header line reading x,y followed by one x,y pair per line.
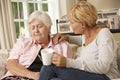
x,y
7,27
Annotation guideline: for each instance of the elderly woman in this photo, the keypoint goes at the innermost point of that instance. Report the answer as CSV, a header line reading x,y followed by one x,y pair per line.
x,y
98,58
23,62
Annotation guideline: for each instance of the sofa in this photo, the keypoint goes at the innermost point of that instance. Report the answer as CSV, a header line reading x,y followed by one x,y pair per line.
x,y
4,55
3,58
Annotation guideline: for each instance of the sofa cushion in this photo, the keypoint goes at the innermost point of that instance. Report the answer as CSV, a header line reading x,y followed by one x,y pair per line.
x,y
118,58
74,47
3,58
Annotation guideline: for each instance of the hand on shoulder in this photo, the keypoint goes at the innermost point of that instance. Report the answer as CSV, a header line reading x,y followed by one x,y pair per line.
x,y
59,37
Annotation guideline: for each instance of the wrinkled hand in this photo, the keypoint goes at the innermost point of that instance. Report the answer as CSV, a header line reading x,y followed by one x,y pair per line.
x,y
59,37
34,75
59,60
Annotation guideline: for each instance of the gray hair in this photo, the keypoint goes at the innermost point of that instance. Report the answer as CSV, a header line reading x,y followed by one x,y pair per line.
x,y
42,16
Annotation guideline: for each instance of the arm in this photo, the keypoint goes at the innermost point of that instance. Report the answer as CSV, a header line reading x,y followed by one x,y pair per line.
x,y
72,39
15,68
13,64
101,61
59,37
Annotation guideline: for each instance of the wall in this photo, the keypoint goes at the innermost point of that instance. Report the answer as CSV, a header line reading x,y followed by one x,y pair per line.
x,y
105,4
62,8
65,6
70,3
0,44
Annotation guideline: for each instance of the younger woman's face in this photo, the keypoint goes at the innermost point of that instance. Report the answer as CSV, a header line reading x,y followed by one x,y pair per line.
x,y
77,27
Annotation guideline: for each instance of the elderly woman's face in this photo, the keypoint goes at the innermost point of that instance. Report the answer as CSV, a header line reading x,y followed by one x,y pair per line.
x,y
39,31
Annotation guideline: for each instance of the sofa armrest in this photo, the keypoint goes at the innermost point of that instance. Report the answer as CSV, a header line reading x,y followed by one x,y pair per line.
x,y
3,59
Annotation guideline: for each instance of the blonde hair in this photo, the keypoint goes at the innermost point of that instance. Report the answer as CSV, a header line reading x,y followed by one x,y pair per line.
x,y
84,12
41,16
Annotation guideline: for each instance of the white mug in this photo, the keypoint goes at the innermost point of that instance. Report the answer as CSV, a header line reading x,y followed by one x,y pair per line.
x,y
47,54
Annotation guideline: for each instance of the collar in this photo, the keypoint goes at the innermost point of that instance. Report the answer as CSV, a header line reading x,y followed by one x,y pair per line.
x,y
50,44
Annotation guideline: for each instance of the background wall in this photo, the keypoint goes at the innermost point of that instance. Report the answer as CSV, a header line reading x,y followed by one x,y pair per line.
x,y
105,4
64,6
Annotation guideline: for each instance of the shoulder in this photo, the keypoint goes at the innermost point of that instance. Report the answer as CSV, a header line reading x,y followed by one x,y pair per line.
x,y
62,44
105,35
24,40
104,32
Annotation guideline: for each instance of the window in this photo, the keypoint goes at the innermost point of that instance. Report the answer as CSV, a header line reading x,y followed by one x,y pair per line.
x,y
21,10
